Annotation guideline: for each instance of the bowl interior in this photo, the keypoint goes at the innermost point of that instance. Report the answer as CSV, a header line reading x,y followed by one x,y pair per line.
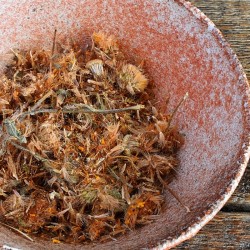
x,y
183,52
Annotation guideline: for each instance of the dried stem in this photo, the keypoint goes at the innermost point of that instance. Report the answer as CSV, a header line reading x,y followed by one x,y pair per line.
x,y
83,109
38,104
18,231
176,109
45,161
53,50
171,191
88,109
37,156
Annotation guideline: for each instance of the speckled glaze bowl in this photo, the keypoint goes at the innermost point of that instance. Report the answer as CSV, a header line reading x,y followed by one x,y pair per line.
x,y
183,52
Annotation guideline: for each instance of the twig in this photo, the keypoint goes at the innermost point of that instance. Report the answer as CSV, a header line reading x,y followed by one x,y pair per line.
x,y
53,50
38,157
41,100
17,230
170,190
88,109
39,111
100,216
32,60
176,108
20,116
45,161
83,109
95,82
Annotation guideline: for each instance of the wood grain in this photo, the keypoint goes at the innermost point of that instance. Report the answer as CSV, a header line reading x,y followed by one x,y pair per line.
x,y
240,200
226,231
230,229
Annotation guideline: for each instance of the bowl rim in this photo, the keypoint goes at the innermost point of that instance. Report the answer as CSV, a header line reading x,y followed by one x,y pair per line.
x,y
244,156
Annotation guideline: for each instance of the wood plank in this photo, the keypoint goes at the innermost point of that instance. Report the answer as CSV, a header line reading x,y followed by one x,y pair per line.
x,y
226,231
240,200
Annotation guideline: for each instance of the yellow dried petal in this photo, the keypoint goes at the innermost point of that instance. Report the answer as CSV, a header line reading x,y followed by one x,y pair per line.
x,y
140,204
55,241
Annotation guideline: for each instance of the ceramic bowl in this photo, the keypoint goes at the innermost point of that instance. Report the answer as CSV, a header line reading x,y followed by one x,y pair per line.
x,y
183,52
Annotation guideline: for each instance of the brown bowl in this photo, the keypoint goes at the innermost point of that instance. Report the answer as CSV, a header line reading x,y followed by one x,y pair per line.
x,y
184,52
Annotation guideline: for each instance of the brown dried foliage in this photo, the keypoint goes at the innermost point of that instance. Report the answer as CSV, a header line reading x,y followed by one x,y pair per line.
x,y
84,152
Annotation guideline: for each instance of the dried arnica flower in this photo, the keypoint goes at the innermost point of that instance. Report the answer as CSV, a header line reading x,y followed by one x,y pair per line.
x,y
96,67
132,79
82,158
104,42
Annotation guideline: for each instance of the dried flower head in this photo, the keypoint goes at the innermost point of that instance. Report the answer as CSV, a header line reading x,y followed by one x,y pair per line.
x,y
105,42
96,67
131,78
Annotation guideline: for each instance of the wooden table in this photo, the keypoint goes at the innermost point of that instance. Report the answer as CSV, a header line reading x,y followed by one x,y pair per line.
x,y
230,229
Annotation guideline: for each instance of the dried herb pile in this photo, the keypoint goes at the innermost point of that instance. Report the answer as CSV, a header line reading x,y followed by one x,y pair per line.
x,y
84,153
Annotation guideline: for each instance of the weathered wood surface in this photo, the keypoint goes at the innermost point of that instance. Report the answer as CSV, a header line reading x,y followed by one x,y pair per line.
x,y
226,231
230,229
240,200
